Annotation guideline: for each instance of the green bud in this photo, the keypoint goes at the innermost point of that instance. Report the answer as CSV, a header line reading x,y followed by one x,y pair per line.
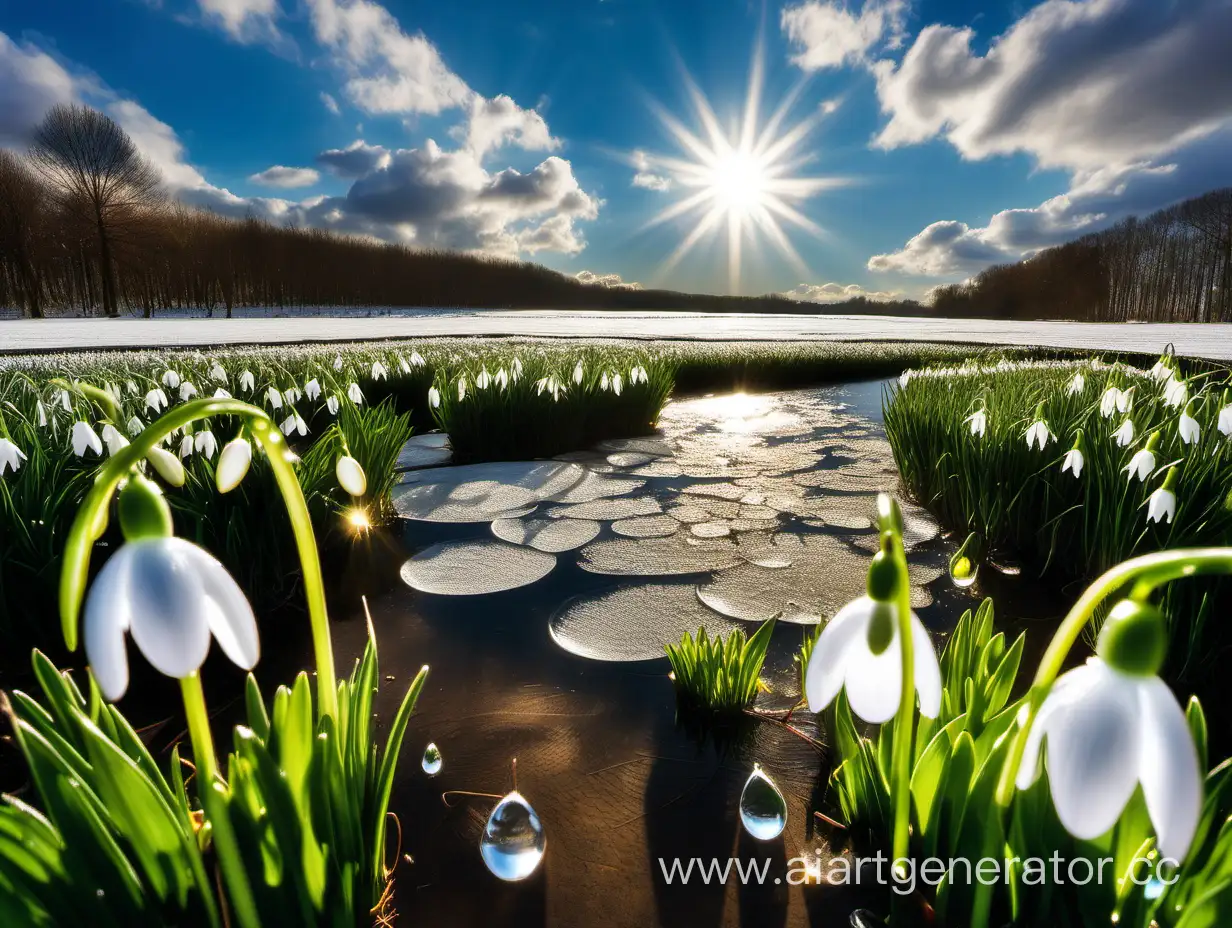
x,y
1134,639
881,627
143,511
883,578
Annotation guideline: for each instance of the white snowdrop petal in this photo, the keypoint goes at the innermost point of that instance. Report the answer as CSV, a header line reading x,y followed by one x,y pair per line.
x,y
1168,769
351,476
228,612
1092,754
823,678
874,681
107,617
166,596
1070,685
927,669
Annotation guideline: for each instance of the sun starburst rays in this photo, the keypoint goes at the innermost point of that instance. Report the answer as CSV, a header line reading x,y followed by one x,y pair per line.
x,y
745,179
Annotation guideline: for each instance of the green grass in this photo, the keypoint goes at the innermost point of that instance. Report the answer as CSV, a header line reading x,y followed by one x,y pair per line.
x,y
717,674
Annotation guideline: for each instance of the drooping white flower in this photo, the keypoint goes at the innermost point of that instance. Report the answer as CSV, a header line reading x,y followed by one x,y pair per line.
x,y
1176,393
379,371
217,373
1076,385
171,379
156,400
434,397
292,395
1124,436
112,438
1109,401
294,423
332,404
274,398
1188,428
131,386
171,596
354,394
461,389
905,378
617,384
337,362
603,381
416,359
842,658
483,380
312,389
516,368
135,426
233,464
84,438
1038,434
1161,506
187,391
577,373
10,456
221,394
1107,732
1073,462
62,397
351,476
978,421
167,465
1160,371
247,381
403,367
205,443
41,413
1225,420
1142,464
1125,399
502,378
186,447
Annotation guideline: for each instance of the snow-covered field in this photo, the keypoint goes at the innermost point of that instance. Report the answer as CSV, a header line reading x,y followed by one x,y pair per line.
x,y
260,327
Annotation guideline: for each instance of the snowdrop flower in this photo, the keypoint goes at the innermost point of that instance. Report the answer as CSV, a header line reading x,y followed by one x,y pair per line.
x,y
1124,436
167,465
205,443
65,401
1125,400
434,397
171,596
217,374
84,439
351,476
1109,401
171,379
461,389
1142,464
617,384
135,426
1073,458
502,378
417,360
221,394
186,446
274,398
1188,428
905,378
379,371
1038,433
577,373
156,400
1112,725
403,367
337,362
1176,394
312,389
978,421
482,381
187,391
1160,371
10,456
517,367
233,464
1225,420
114,392
113,439
1161,505
41,412
1076,385
354,394
131,386
845,657
332,405
247,381
294,423
292,395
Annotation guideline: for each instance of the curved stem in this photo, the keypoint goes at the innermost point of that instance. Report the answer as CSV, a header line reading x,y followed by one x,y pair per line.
x,y
199,731
904,724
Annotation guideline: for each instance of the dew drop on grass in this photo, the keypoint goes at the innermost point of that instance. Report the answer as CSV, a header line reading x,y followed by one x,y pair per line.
x,y
513,842
432,760
471,568
763,810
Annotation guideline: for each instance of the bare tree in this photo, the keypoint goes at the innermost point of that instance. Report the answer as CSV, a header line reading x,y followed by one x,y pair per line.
x,y
98,174
23,200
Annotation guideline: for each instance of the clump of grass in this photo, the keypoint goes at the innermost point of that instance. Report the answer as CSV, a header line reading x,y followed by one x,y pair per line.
x,y
718,674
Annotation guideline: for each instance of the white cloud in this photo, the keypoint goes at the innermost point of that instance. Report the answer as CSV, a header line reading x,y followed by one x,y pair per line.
x,y
330,103
356,160
645,176
282,176
827,34
388,70
837,293
499,121
244,20
31,82
1077,84
611,281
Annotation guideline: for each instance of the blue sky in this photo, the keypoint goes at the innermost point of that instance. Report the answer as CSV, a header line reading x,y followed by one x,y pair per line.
x,y
942,135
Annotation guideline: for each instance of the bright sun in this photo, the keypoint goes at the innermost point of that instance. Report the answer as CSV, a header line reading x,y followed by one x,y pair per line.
x,y
744,179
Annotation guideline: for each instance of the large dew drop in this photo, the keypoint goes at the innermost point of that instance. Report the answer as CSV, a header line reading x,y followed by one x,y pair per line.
x,y
513,842
763,810
432,760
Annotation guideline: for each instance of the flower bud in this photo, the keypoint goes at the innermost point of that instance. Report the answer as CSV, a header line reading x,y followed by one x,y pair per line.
x,y
233,464
1134,639
144,512
167,465
351,476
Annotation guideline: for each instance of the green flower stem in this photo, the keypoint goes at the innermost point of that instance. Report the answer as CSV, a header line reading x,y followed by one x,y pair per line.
x,y
92,517
91,392
199,731
904,724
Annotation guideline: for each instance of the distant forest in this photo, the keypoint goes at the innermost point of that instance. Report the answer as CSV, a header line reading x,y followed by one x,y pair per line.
x,y
85,227
1173,266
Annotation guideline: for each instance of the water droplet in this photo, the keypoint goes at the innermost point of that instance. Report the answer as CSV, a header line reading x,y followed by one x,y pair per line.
x,y
963,572
763,810
1154,889
432,760
513,842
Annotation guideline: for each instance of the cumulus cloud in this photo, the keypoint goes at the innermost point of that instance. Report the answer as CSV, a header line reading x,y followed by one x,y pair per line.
x,y
499,121
838,293
645,176
282,176
330,103
827,34
389,71
611,281
356,160
244,20
31,82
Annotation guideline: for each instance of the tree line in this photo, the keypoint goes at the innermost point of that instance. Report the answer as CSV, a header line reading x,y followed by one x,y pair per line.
x,y
1172,266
